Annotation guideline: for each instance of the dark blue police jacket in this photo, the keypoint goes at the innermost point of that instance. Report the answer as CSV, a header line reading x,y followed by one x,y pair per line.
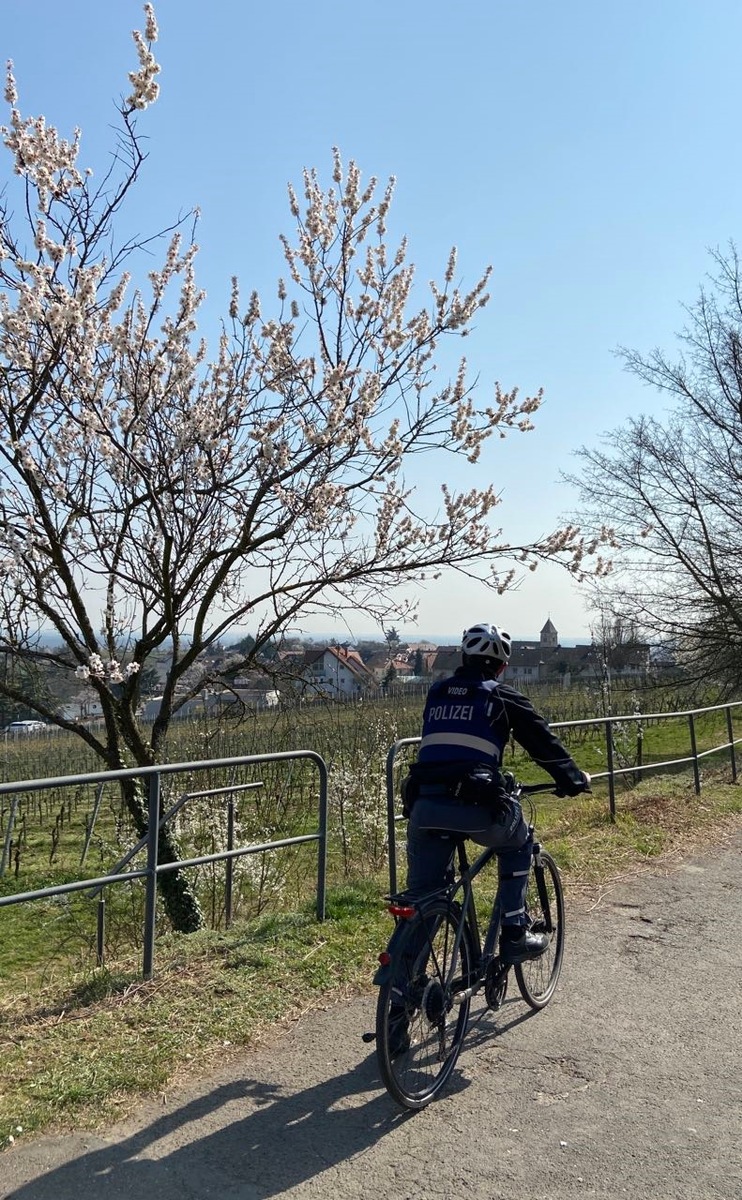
x,y
458,722
469,720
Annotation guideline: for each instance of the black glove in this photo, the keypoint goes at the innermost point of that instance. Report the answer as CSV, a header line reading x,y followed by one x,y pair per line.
x,y
577,791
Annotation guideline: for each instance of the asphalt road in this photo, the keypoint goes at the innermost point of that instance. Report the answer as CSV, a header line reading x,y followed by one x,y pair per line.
x,y
628,1084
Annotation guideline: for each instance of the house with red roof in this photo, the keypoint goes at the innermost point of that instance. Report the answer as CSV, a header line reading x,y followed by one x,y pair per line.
x,y
334,671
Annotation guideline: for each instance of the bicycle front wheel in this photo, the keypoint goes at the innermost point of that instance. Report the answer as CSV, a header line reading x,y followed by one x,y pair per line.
x,y
421,1014
537,978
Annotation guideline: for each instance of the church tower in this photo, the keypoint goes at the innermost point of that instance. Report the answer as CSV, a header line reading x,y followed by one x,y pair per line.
x,y
549,636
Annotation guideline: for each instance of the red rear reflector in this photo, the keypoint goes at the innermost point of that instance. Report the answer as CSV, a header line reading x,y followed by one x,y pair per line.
x,y
385,958
405,911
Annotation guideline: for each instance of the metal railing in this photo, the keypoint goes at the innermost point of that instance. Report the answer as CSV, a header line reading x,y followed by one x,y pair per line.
x,y
611,774
155,820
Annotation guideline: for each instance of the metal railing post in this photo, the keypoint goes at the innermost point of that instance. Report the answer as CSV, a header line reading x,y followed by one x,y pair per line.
x,y
228,884
391,835
150,903
100,933
730,732
90,826
609,761
322,840
694,752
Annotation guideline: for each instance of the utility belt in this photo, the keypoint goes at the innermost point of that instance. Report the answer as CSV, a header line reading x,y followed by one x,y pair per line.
x,y
460,784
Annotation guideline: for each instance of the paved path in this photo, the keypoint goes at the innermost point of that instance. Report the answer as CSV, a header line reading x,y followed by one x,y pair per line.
x,y
629,1084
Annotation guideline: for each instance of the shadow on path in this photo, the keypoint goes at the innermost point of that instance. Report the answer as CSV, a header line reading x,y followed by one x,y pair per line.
x,y
247,1140
281,1141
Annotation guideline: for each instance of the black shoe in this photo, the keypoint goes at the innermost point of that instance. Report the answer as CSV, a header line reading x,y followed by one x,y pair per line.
x,y
521,949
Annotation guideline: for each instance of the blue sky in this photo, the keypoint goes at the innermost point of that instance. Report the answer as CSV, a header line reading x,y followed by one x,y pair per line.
x,y
588,152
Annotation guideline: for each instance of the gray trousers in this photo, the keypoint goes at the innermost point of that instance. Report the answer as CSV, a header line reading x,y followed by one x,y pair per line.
x,y
430,848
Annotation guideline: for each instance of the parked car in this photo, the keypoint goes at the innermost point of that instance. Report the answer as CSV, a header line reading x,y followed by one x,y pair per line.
x,y
18,727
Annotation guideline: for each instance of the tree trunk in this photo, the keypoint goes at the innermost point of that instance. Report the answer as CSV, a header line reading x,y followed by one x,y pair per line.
x,y
178,896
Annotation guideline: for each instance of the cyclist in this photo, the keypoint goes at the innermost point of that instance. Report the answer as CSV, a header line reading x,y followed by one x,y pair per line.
x,y
457,784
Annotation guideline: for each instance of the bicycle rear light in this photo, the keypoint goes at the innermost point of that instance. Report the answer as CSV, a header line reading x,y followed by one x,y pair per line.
x,y
403,911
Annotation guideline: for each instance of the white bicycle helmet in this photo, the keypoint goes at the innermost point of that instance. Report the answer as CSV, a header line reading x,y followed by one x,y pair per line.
x,y
486,641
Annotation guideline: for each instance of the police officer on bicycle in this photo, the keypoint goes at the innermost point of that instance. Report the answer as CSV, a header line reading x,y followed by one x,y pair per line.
x,y
457,784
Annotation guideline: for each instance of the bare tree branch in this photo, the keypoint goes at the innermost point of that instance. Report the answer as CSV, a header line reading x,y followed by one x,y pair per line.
x,y
673,491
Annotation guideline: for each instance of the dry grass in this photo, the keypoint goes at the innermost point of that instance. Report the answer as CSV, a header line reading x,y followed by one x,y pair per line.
x,y
657,826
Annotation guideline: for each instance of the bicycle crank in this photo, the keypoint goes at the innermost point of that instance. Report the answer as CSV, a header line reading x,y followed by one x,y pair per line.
x,y
496,984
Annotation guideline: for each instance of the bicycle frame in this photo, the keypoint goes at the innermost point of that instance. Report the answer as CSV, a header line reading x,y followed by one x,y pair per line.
x,y
439,958
468,872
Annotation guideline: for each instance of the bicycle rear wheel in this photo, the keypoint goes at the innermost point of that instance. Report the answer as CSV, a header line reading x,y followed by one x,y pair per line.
x,y
420,1019
537,978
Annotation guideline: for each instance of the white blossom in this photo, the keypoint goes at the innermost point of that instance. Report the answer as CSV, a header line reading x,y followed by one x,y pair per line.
x,y
151,31
145,88
11,92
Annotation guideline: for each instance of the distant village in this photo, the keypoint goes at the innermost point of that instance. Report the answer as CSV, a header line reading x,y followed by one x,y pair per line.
x,y
301,670
308,672
343,670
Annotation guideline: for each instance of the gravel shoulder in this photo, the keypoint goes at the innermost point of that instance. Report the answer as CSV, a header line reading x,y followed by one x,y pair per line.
x,y
628,1084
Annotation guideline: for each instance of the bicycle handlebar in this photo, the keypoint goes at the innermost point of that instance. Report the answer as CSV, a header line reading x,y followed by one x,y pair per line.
x,y
529,789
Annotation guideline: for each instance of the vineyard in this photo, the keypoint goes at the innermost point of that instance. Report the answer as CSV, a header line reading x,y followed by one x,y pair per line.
x,y
67,833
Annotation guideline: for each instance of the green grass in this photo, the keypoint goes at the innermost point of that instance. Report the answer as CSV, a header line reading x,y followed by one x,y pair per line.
x,y
79,1046
75,1052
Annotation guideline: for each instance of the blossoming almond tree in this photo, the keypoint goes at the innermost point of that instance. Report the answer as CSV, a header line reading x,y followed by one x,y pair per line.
x,y
191,493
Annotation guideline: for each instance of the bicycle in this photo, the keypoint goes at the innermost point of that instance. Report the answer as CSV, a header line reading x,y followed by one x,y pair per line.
x,y
435,963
